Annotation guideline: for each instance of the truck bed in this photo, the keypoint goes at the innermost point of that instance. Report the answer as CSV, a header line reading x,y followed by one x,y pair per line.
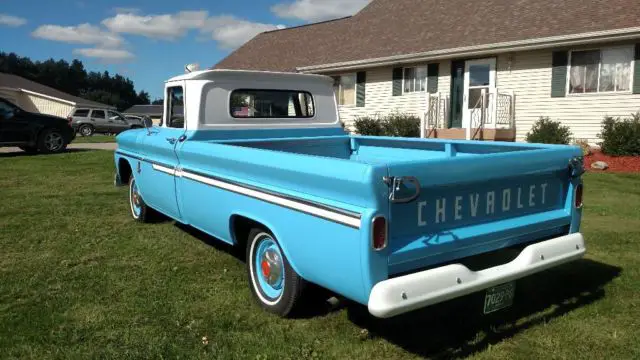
x,y
475,197
380,151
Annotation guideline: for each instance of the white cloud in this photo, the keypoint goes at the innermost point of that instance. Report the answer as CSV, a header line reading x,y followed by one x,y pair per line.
x,y
12,21
318,10
231,32
81,34
126,10
166,27
105,55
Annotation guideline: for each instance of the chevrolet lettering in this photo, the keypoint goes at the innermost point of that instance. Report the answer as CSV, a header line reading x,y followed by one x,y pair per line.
x,y
259,160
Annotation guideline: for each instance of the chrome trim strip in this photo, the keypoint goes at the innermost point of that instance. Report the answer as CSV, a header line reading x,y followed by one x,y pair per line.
x,y
337,215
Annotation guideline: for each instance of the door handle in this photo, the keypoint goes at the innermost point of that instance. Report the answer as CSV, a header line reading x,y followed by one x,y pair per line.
x,y
395,183
172,141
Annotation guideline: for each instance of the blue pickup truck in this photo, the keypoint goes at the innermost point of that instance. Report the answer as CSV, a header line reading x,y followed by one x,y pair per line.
x,y
259,160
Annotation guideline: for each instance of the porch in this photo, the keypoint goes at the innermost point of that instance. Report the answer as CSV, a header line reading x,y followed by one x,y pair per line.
x,y
487,115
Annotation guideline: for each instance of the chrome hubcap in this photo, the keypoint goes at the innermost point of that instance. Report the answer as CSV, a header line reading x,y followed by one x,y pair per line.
x,y
53,141
271,266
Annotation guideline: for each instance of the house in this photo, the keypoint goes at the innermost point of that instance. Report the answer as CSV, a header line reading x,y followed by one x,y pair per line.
x,y
35,97
153,111
573,60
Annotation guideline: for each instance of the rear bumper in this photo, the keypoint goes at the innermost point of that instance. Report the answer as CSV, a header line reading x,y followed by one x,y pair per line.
x,y
403,294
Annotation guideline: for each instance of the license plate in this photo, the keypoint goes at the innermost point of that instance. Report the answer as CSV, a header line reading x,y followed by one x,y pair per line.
x,y
499,297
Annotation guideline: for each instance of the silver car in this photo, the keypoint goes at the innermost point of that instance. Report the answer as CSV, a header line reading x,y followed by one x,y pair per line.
x,y
88,121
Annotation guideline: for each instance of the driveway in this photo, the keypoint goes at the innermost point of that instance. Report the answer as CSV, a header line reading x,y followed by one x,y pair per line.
x,y
95,146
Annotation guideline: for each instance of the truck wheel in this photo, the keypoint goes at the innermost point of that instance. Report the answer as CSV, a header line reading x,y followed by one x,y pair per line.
x,y
51,141
139,209
274,283
86,130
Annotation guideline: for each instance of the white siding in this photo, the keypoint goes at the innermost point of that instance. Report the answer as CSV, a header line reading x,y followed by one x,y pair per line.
x,y
43,105
530,79
380,100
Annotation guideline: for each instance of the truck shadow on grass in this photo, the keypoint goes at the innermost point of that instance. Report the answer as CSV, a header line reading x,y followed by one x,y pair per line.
x,y
458,328
20,153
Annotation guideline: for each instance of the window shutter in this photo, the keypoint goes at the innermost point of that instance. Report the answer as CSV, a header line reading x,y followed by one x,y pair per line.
x,y
361,84
559,73
397,81
432,78
636,71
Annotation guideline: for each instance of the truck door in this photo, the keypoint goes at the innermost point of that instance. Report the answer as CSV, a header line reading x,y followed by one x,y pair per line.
x,y
157,182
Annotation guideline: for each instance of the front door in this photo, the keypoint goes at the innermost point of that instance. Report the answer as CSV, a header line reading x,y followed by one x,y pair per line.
x,y
479,75
157,181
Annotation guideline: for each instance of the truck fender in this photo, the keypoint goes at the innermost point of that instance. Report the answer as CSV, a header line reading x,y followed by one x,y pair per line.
x,y
258,221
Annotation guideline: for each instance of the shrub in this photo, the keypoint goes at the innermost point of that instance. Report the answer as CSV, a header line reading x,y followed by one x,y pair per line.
x,y
401,125
395,124
621,137
584,145
368,126
546,131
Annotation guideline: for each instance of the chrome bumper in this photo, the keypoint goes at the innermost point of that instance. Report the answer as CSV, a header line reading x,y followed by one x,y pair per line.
x,y
402,294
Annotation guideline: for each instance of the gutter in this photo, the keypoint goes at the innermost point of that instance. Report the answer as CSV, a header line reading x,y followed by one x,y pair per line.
x,y
478,50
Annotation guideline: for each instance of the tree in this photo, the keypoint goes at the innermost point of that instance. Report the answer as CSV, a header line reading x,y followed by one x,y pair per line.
x,y
73,79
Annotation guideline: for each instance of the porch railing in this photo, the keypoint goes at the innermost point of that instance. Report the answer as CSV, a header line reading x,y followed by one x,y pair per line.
x,y
493,109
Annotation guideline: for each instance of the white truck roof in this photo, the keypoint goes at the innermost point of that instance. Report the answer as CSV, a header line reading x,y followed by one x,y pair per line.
x,y
221,74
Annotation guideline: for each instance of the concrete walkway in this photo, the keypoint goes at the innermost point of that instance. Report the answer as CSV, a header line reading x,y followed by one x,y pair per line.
x,y
97,146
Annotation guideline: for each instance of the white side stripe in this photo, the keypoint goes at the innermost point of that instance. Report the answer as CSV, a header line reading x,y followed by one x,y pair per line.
x,y
292,204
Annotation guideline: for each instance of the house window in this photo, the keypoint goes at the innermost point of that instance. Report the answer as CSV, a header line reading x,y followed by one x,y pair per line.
x,y
415,79
603,70
345,89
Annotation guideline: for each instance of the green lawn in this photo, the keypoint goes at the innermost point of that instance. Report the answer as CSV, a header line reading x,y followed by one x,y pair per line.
x,y
94,139
80,280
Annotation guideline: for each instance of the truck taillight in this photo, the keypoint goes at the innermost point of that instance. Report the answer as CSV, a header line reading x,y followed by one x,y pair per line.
x,y
379,233
578,196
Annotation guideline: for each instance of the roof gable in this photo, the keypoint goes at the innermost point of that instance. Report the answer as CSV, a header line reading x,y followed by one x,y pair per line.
x,y
18,82
396,27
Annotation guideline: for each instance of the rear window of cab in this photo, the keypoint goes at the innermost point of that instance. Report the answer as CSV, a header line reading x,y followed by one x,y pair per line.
x,y
278,104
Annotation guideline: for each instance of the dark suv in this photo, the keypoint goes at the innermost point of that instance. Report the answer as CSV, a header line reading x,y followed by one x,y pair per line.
x,y
33,132
87,121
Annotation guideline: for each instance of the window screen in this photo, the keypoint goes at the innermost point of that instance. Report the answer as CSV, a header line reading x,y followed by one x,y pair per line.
x,y
271,104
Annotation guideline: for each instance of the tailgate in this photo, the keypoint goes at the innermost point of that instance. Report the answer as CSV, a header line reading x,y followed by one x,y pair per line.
x,y
471,205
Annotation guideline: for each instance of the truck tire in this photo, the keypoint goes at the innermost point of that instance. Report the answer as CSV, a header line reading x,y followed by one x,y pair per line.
x,y
139,209
86,130
51,141
273,282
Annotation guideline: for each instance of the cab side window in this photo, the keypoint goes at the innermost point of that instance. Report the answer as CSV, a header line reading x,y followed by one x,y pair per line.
x,y
6,110
175,107
114,115
97,114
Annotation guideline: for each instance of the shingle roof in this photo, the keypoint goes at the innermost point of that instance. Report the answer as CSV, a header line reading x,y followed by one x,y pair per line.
x,y
17,82
145,110
395,27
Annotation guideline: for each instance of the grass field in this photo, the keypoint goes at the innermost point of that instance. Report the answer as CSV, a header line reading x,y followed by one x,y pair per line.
x,y
94,139
79,280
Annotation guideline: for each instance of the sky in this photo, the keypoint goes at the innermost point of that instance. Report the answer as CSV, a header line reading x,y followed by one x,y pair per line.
x,y
150,41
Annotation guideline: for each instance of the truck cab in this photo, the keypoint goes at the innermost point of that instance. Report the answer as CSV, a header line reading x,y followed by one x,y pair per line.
x,y
261,161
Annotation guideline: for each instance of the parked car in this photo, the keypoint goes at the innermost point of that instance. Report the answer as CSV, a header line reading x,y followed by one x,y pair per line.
x,y
87,121
33,132
396,224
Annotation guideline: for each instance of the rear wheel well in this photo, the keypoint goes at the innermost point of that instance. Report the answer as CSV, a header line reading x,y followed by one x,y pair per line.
x,y
240,228
124,171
